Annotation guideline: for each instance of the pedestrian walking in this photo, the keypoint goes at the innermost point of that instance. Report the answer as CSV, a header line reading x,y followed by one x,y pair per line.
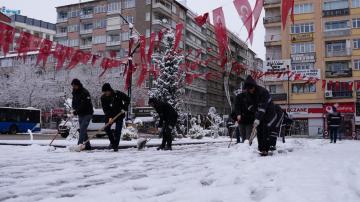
x,y
83,108
334,122
168,119
113,102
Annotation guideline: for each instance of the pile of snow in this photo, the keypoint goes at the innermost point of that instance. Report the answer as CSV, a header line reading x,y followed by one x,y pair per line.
x,y
304,170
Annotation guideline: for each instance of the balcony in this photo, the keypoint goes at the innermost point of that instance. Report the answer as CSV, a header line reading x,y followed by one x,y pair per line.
x,y
61,34
341,94
337,33
279,97
338,73
270,2
86,46
162,7
113,43
86,31
336,12
86,16
272,40
60,20
272,19
109,12
339,53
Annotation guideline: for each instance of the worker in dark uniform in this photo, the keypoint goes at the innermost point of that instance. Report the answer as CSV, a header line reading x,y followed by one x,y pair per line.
x,y
168,119
113,102
262,105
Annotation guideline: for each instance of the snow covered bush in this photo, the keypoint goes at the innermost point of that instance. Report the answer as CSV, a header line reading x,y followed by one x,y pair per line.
x,y
196,131
216,121
170,84
129,133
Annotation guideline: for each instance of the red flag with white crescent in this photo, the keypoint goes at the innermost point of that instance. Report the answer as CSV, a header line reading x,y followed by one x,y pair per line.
x,y
221,34
76,59
60,55
142,49
151,47
23,44
201,19
245,12
44,51
286,6
178,35
142,75
7,34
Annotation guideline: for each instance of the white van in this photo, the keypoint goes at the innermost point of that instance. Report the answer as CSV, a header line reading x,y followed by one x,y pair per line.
x,y
96,123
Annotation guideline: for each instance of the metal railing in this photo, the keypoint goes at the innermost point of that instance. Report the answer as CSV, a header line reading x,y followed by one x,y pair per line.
x,y
336,33
272,19
339,53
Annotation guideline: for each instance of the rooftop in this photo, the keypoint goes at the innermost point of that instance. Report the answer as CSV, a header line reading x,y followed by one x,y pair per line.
x,y
32,22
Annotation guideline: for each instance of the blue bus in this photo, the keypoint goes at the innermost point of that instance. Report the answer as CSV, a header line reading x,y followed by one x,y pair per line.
x,y
19,120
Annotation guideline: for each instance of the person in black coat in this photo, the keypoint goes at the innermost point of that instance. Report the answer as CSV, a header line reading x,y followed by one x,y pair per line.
x,y
243,116
334,122
263,107
168,119
82,106
113,102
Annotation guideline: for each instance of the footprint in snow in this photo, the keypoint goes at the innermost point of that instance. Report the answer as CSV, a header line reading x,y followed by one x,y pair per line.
x,y
207,182
257,195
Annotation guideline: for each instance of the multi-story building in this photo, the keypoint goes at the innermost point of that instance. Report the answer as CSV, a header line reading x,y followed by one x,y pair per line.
x,y
97,26
4,18
325,37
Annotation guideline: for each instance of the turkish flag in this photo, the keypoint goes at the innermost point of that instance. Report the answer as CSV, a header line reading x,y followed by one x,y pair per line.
x,y
60,55
44,51
142,75
350,85
323,84
178,35
34,43
86,58
142,49
337,86
221,34
201,19
245,12
256,14
23,44
189,78
151,47
76,59
94,59
358,85
69,53
7,34
160,37
285,9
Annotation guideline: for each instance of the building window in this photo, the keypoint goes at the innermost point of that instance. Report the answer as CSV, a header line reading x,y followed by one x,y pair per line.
x,y
125,36
100,9
130,19
356,23
148,2
129,3
302,66
173,8
304,88
302,28
99,24
357,64
336,5
147,33
356,43
147,16
302,48
113,7
272,89
181,14
337,25
355,3
99,39
303,8
73,42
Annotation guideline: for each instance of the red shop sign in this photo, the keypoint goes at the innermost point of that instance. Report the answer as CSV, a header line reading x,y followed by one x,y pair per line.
x,y
340,107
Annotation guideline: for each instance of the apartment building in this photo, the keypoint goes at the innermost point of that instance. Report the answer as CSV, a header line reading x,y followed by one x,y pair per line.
x,y
96,26
325,38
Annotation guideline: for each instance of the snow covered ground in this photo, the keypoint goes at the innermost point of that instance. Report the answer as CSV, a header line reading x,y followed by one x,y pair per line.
x,y
304,170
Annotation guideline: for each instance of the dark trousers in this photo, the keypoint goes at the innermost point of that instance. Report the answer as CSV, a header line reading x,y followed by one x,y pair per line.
x,y
114,136
166,137
263,137
333,134
243,131
83,136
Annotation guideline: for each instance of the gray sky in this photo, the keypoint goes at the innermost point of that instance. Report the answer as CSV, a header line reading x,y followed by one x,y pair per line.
x,y
45,10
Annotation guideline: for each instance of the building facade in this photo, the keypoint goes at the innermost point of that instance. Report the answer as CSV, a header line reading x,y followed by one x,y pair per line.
x,y
324,38
97,26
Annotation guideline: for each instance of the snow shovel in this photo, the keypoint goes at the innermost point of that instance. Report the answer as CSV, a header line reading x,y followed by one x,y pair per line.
x,y
142,143
253,135
232,134
80,147
57,134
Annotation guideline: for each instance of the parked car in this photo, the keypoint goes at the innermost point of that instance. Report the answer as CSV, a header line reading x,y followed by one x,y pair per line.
x,y
96,123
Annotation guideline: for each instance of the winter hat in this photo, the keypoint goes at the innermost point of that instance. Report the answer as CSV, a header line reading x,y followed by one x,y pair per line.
x,y
249,83
106,87
76,82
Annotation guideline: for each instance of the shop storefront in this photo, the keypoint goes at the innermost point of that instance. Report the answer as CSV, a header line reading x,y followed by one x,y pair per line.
x,y
308,119
347,111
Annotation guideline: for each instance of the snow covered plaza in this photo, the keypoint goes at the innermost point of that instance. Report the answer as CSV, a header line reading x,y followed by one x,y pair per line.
x,y
301,170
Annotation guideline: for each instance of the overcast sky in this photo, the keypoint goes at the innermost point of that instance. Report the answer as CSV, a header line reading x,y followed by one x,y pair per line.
x,y
45,10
